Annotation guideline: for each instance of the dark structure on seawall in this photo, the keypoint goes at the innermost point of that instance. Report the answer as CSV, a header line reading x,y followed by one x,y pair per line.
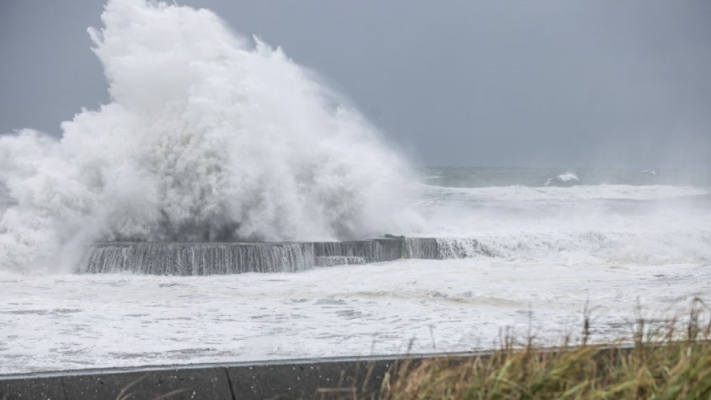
x,y
236,257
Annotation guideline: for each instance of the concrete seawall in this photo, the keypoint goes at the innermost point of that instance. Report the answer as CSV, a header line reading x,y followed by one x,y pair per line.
x,y
298,379
233,257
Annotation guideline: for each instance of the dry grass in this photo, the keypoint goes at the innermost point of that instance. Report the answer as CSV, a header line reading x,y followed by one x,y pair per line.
x,y
125,394
671,362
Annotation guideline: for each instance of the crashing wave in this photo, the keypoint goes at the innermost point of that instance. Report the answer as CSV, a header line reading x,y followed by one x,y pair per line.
x,y
207,137
620,247
566,179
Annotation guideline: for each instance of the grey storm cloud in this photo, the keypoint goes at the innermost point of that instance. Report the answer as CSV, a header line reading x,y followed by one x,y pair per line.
x,y
450,83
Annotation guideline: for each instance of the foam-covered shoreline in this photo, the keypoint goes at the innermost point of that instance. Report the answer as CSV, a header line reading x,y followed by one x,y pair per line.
x,y
79,321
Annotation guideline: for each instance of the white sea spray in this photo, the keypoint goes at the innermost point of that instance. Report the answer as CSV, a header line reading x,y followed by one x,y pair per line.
x,y
207,137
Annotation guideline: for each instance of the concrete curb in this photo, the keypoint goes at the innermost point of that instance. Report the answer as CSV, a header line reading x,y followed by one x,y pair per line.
x,y
331,378
325,378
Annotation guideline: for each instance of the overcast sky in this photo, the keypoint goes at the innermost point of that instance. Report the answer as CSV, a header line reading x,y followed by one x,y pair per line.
x,y
566,83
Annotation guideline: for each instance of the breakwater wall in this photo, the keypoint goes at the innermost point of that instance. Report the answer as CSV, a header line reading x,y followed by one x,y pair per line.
x,y
235,257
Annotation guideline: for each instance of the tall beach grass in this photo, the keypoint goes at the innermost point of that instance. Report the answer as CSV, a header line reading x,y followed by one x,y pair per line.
x,y
668,360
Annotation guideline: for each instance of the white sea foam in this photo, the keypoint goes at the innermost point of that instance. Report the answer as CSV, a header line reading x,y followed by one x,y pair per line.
x,y
603,224
93,321
591,192
206,137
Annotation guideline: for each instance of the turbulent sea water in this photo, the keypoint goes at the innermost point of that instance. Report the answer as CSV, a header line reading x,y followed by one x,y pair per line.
x,y
534,257
210,136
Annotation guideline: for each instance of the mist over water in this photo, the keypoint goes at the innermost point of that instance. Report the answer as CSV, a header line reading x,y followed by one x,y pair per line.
x,y
208,137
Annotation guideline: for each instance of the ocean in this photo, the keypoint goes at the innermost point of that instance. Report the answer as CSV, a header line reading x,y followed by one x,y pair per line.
x,y
531,249
210,136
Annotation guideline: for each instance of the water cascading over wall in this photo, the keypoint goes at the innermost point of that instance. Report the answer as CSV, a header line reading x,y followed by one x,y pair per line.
x,y
369,251
197,258
232,257
424,248
237,257
449,248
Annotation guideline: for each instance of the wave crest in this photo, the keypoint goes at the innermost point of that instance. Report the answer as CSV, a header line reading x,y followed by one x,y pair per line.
x,y
566,179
